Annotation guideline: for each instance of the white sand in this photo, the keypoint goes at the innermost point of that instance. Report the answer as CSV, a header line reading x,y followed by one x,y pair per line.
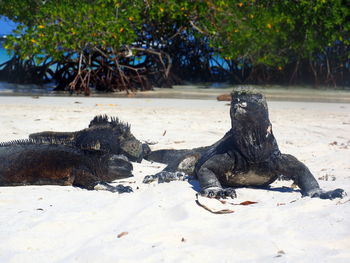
x,y
164,224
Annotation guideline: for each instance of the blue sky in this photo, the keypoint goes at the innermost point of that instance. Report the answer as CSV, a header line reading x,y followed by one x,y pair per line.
x,y
6,26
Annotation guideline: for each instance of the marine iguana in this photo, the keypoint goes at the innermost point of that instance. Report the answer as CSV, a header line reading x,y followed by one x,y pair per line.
x,y
110,136
29,162
247,156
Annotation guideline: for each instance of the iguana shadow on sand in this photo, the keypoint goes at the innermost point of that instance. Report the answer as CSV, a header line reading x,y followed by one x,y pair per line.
x,y
247,156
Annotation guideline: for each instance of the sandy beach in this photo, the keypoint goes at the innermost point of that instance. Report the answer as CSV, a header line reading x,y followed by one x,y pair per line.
x,y
162,222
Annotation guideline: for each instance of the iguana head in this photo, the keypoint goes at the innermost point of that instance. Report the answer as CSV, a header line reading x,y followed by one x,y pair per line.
x,y
248,108
112,136
118,167
250,124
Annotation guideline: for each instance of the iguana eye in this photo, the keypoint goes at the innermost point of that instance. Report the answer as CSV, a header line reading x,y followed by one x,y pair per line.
x,y
243,104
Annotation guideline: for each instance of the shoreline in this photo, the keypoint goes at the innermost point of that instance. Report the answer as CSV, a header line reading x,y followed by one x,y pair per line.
x,y
272,93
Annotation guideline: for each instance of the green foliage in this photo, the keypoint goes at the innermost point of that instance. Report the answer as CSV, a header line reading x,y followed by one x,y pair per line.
x,y
60,27
20,11
270,32
263,32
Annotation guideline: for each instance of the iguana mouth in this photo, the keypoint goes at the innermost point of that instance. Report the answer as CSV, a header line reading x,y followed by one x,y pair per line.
x,y
240,109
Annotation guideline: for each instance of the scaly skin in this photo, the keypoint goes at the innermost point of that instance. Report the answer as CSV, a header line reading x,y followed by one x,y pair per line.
x,y
247,156
30,163
109,136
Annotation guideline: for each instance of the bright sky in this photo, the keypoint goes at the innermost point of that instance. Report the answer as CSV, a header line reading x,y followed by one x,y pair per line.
x,y
6,26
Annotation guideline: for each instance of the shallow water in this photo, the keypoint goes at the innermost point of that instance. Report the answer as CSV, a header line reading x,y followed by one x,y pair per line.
x,y
3,54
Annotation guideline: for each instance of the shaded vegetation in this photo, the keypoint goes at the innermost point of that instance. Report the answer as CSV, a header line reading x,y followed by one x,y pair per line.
x,y
133,45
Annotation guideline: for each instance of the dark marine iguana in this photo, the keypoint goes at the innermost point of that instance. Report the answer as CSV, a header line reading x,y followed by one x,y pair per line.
x,y
30,162
88,158
112,136
247,156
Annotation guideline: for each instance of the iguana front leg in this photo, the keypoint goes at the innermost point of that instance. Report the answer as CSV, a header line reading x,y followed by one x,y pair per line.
x,y
291,168
83,177
208,176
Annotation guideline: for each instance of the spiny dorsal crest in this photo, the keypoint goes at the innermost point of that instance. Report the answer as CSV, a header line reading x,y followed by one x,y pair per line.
x,y
99,120
17,142
103,120
37,141
115,122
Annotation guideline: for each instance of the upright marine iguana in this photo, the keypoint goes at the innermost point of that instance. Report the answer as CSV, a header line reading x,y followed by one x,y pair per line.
x,y
247,156
112,136
29,162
